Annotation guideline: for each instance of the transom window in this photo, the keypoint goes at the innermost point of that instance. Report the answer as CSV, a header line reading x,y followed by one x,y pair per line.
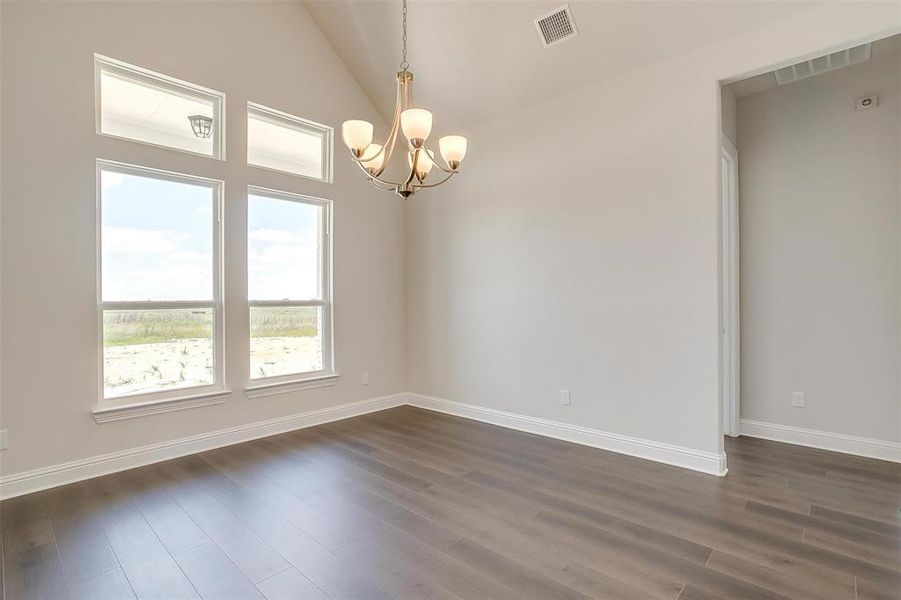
x,y
288,285
160,311
283,142
149,107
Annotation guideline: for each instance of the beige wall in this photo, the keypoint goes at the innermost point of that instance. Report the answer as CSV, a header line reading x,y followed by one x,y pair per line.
x,y
821,252
579,249
270,53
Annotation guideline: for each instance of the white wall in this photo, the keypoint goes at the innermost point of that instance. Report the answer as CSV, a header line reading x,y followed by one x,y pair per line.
x,y
270,53
579,249
821,252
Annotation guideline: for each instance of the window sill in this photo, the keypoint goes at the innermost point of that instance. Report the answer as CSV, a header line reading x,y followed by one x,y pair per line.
x,y
105,414
284,387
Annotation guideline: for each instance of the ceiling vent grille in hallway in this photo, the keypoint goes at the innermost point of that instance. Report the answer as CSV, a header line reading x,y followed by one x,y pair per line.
x,y
556,26
830,62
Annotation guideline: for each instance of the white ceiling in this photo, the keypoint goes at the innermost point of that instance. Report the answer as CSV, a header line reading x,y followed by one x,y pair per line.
x,y
767,81
473,60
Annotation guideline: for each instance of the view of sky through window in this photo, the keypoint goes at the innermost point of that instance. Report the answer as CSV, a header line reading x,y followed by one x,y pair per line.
x,y
283,249
157,239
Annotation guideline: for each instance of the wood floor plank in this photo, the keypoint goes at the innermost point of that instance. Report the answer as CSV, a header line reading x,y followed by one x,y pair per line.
x,y
509,572
396,578
246,549
150,569
799,583
855,520
418,552
693,592
78,530
290,585
34,572
869,590
326,570
214,575
176,530
109,585
25,523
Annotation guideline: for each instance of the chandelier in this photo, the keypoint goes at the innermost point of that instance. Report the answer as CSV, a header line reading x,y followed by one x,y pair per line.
x,y
416,125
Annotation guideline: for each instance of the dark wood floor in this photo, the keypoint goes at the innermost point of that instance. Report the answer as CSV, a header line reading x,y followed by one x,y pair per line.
x,y
408,503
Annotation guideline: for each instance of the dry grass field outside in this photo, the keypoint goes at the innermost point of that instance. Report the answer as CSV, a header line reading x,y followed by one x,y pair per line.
x,y
154,350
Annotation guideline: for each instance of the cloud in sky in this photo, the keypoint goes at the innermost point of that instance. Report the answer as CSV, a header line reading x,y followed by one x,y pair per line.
x,y
283,264
133,240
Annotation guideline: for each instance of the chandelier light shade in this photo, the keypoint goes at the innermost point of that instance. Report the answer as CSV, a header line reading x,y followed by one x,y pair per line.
x,y
357,136
453,149
374,158
413,126
416,124
423,163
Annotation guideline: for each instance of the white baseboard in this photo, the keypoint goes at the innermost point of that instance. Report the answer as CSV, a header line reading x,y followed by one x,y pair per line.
x,y
696,460
26,482
824,440
77,470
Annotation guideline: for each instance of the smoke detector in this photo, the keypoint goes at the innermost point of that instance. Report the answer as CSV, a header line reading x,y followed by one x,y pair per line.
x,y
823,64
556,26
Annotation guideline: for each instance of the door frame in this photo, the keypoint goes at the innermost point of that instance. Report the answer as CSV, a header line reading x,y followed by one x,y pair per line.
x,y
731,331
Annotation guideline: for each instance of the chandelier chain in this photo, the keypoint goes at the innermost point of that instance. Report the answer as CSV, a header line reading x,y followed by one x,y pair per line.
x,y
404,65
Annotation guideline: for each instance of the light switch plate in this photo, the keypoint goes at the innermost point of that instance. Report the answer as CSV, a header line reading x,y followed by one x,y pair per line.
x,y
799,400
565,398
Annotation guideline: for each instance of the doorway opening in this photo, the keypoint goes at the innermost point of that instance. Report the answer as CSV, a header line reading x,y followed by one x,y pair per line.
x,y
810,158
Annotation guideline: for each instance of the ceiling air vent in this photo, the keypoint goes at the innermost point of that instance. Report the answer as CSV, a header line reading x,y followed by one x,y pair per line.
x,y
556,26
817,66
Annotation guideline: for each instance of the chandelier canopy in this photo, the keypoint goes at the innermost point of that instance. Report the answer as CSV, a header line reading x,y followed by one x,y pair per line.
x,y
415,124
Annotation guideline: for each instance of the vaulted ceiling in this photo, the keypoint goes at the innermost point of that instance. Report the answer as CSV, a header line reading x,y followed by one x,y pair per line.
x,y
474,60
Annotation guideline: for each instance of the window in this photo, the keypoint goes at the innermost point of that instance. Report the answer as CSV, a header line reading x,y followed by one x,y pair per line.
x,y
289,286
148,107
160,314
279,141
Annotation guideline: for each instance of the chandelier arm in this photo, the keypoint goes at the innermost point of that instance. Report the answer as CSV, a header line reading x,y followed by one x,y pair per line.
x,y
391,140
435,162
413,162
382,186
436,184
387,148
375,177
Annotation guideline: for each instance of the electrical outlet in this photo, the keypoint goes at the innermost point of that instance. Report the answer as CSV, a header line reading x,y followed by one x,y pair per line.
x,y
565,398
365,378
4,439
799,400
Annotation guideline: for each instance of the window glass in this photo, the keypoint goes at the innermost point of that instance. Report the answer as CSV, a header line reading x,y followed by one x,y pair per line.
x,y
159,304
287,284
284,249
152,108
285,340
146,351
156,238
287,143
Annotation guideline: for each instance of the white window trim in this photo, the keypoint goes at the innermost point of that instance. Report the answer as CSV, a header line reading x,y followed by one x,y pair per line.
x,y
267,386
294,122
172,85
109,409
285,387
